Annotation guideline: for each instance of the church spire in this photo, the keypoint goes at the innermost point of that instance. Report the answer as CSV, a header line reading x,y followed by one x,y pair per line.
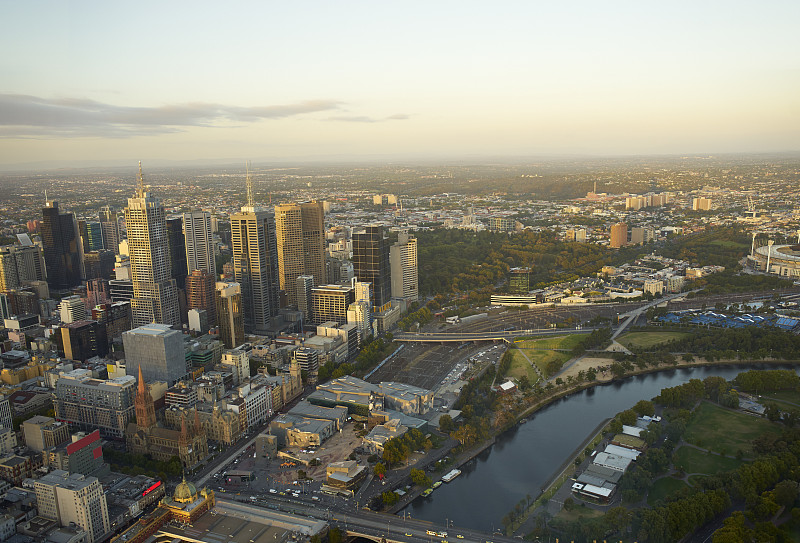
x,y
197,426
143,404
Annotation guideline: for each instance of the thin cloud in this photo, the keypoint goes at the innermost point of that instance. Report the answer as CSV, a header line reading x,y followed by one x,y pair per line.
x,y
30,116
365,119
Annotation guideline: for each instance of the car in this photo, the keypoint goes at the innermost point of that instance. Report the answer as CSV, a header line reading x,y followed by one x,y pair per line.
x,y
460,536
409,535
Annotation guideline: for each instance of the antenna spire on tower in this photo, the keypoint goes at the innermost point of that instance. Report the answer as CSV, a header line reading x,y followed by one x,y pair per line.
x,y
140,181
250,202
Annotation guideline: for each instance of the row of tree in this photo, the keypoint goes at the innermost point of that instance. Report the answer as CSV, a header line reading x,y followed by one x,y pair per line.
x,y
399,448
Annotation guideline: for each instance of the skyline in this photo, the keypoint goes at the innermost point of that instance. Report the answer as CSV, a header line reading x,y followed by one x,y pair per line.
x,y
96,82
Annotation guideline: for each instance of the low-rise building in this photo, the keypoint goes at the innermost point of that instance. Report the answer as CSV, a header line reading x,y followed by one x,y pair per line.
x,y
381,433
44,432
296,431
347,475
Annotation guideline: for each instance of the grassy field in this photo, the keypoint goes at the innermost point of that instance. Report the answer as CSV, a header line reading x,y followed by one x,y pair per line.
x,y
536,349
725,431
644,340
663,488
560,342
791,396
520,366
579,513
691,460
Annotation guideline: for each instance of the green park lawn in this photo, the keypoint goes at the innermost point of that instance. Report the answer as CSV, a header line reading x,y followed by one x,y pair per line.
x,y
560,342
644,340
722,430
663,488
537,351
690,460
519,367
579,513
791,396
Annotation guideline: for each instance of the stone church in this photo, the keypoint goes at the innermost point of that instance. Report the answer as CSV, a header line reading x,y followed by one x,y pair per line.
x,y
146,436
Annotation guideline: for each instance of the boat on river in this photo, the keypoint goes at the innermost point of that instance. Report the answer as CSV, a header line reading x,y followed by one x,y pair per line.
x,y
449,476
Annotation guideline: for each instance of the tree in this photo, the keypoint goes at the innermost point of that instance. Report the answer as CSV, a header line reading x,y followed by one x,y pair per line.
x,y
446,424
390,498
379,469
644,408
627,417
419,478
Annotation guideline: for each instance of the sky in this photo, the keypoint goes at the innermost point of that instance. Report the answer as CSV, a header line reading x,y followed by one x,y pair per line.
x,y
90,82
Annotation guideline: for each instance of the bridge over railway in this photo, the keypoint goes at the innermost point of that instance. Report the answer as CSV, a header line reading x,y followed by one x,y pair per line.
x,y
500,335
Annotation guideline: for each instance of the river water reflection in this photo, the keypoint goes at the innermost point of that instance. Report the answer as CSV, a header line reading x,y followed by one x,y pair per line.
x,y
526,457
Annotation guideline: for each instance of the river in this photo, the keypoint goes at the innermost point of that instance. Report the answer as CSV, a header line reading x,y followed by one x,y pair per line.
x,y
525,458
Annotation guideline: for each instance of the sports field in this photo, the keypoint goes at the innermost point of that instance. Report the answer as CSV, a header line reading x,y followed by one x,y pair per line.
x,y
726,431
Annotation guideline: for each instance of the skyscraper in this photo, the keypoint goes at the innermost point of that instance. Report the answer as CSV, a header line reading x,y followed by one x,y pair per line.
x,y
63,251
229,314
303,288
199,242
403,260
200,294
91,235
109,226
255,263
301,244
158,351
20,263
330,303
619,235
371,263
155,296
177,251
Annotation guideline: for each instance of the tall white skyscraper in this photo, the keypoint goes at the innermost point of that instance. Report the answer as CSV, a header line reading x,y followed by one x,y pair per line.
x,y
72,309
403,261
199,242
359,312
255,263
155,293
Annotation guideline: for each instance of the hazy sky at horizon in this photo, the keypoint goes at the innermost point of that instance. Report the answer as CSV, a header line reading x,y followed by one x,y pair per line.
x,y
87,81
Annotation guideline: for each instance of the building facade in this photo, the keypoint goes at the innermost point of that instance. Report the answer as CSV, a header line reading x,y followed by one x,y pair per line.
x,y
62,247
94,404
158,350
255,266
619,235
331,302
155,294
199,242
403,263
371,264
301,245
74,498
230,318
200,294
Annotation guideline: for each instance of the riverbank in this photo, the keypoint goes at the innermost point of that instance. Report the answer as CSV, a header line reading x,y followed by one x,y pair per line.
x,y
562,473
461,459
